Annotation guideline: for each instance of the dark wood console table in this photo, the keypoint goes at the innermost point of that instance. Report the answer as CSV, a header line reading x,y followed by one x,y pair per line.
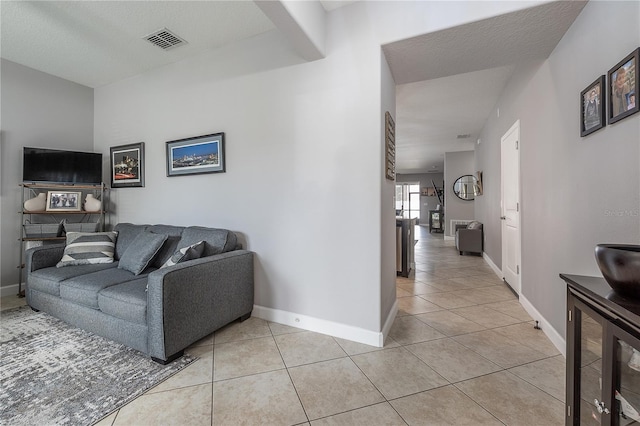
x,y
603,354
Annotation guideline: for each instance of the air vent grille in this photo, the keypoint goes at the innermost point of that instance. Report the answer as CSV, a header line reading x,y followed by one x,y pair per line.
x,y
165,39
464,136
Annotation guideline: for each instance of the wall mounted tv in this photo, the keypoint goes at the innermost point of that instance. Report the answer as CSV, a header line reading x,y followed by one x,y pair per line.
x,y
69,167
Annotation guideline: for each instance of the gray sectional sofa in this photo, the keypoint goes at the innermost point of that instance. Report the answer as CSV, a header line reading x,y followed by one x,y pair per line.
x,y
161,310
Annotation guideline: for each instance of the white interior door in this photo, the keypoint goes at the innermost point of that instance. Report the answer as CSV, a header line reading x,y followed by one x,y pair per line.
x,y
510,206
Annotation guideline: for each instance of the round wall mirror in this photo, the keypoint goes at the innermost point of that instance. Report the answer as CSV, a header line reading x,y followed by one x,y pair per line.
x,y
466,187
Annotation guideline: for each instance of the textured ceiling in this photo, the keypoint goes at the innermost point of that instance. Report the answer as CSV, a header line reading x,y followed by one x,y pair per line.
x,y
99,42
450,80
430,114
462,70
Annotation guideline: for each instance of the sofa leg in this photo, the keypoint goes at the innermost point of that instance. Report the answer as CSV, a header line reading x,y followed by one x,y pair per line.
x,y
245,317
460,253
170,359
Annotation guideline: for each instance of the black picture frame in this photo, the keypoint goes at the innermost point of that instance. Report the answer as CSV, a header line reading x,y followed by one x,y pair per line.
x,y
592,107
624,81
196,155
127,165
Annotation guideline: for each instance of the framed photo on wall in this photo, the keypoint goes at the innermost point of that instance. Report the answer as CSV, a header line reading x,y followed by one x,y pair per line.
x,y
201,154
623,87
64,201
592,109
127,166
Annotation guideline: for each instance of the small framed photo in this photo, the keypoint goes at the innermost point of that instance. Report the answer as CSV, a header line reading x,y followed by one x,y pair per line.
x,y
592,109
127,165
624,81
59,201
201,154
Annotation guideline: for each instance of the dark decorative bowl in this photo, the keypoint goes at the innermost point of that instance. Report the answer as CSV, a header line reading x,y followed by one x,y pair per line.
x,y
620,266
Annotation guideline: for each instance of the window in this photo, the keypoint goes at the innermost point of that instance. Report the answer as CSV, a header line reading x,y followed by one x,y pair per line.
x,y
408,200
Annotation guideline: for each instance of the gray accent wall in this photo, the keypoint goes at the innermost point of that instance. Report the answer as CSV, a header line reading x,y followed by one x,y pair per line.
x,y
576,192
457,164
38,110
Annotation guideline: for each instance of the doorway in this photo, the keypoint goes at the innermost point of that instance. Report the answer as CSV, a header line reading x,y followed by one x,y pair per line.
x,y
408,200
510,206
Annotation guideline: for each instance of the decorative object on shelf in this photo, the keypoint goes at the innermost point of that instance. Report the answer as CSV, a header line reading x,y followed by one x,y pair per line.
x,y
201,154
620,267
389,146
42,230
127,165
64,201
592,109
37,203
80,226
465,187
92,204
624,81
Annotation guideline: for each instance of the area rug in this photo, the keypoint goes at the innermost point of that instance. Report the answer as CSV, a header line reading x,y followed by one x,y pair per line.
x,y
55,374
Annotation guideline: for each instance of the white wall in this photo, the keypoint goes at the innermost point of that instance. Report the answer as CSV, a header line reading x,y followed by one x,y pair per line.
x,y
387,207
303,157
38,110
457,164
576,192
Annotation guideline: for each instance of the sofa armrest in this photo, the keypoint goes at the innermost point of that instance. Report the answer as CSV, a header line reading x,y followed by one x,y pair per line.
x,y
43,257
469,240
191,300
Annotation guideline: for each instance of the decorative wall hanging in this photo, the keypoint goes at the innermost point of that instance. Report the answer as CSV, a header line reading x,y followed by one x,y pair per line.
x,y
201,154
390,146
127,166
624,81
592,109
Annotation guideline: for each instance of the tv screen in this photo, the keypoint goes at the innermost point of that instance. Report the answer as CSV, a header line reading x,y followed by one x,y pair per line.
x,y
52,165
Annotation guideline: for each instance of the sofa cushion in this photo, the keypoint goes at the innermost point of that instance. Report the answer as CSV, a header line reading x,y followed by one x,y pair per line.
x,y
174,233
127,232
88,248
141,251
474,225
84,289
127,301
47,280
194,251
216,240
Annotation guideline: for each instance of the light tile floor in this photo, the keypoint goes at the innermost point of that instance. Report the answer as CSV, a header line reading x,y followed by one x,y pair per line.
x,y
461,351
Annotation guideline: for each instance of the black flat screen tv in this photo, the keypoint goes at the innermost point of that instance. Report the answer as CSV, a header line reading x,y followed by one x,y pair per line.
x,y
57,166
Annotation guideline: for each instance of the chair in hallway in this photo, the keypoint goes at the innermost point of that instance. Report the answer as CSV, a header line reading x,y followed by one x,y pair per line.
x,y
469,238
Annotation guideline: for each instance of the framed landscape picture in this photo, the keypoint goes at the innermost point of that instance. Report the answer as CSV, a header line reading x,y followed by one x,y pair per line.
x,y
127,165
592,109
623,87
64,201
201,154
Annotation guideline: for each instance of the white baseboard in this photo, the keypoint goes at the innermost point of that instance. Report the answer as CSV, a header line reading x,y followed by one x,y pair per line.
x,y
558,341
448,238
389,322
9,290
492,265
318,325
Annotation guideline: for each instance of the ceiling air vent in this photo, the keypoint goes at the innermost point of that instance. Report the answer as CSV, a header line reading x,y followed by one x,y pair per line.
x,y
165,39
465,136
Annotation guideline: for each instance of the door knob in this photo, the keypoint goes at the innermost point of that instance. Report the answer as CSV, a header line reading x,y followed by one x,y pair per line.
x,y
503,217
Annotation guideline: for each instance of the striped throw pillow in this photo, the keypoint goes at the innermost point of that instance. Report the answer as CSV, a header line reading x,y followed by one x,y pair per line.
x,y
194,251
88,248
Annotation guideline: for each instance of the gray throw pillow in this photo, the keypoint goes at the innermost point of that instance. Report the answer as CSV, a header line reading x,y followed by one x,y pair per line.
x,y
88,248
141,251
194,251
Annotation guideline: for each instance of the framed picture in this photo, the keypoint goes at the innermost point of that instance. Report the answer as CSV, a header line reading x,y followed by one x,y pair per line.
x,y
592,109
64,201
127,165
201,154
623,87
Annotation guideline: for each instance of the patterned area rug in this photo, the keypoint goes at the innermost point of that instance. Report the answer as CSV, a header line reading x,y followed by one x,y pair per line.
x,y
55,374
